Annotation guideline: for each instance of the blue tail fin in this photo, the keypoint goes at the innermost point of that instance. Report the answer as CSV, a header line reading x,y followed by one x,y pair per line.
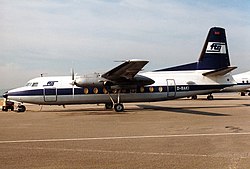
x,y
214,54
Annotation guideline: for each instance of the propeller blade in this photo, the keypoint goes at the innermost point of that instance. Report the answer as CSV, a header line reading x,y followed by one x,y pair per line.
x,y
73,91
73,82
72,74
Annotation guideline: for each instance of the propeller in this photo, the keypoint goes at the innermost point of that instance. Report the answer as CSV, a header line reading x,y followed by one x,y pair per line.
x,y
73,82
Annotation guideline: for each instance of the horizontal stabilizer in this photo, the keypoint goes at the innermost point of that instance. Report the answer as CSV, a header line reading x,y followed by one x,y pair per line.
x,y
220,72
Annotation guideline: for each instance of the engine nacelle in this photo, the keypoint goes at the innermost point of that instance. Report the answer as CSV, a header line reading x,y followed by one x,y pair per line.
x,y
142,80
82,82
97,80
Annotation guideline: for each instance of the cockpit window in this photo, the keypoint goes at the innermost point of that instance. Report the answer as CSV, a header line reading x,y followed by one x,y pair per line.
x,y
28,84
35,84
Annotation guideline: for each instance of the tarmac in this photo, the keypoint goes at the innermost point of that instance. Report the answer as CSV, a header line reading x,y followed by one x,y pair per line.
x,y
179,134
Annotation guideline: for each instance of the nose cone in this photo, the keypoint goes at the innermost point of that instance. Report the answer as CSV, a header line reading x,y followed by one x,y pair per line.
x,y
15,92
5,95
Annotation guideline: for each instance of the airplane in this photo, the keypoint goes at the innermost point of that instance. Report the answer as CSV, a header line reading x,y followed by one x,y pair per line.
x,y
125,83
243,84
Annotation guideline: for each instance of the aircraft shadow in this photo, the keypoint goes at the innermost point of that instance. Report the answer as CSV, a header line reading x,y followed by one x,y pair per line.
x,y
185,110
102,111
84,111
220,98
246,104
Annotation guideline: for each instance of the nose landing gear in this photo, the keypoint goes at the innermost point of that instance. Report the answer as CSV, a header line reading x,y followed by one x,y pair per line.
x,y
21,108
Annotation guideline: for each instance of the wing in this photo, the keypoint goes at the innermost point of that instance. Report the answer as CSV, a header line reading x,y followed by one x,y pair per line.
x,y
125,71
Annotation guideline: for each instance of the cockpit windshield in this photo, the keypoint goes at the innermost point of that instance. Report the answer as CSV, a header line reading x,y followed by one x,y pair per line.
x,y
28,84
32,84
35,84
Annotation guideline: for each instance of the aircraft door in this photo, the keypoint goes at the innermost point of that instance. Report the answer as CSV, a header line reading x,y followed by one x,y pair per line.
x,y
171,88
50,94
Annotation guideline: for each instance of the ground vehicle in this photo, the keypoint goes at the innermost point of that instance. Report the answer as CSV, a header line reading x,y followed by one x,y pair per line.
x,y
7,105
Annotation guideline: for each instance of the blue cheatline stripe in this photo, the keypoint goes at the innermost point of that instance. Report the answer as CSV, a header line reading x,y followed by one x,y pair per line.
x,y
99,90
243,84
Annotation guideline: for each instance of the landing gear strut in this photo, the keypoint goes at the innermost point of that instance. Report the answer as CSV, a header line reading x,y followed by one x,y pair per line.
x,y
117,106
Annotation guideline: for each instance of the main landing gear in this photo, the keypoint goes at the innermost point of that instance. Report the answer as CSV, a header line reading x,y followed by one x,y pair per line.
x,y
108,105
209,97
117,106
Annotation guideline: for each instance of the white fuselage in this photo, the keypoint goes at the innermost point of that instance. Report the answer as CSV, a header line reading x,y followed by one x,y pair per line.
x,y
243,83
168,85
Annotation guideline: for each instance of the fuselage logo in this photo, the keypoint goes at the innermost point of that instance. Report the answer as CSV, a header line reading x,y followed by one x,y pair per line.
x,y
50,83
216,47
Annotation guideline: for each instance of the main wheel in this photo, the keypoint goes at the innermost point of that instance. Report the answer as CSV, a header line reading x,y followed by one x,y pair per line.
x,y
108,105
21,108
119,107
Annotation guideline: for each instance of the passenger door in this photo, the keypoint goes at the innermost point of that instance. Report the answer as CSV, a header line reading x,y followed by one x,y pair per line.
x,y
50,94
171,88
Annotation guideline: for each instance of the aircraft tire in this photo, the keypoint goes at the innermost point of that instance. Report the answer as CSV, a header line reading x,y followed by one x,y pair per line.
x,y
4,109
210,97
242,94
21,108
108,105
194,97
119,107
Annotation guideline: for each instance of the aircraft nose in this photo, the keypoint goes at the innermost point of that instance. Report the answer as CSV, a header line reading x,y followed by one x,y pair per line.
x,y
5,95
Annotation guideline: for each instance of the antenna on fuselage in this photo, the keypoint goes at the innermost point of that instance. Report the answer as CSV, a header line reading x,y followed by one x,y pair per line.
x,y
42,74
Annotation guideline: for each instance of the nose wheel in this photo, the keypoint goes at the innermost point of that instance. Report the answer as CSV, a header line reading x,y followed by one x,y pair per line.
x,y
21,108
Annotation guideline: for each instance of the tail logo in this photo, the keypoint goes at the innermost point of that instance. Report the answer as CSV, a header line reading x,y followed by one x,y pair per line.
x,y
216,47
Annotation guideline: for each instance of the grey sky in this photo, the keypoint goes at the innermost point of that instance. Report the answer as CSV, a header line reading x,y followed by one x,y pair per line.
x,y
52,36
